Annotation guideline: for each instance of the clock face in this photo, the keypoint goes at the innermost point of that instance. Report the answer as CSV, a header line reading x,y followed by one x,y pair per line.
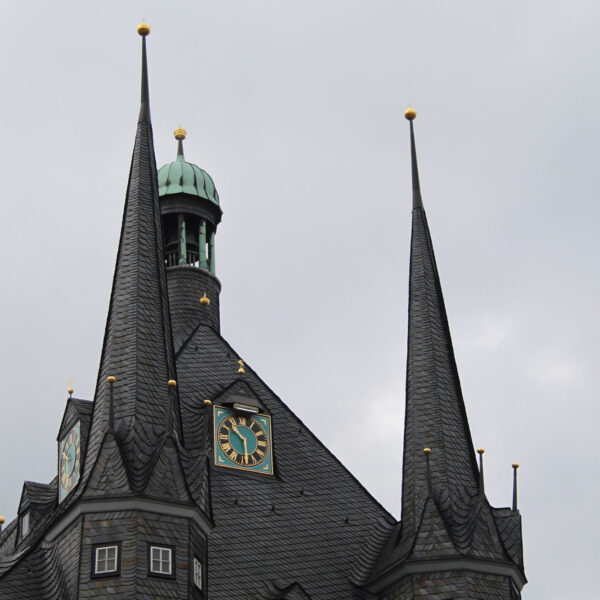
x,y
69,460
243,441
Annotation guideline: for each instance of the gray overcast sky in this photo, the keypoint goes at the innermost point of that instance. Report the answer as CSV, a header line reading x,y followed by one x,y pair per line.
x,y
295,109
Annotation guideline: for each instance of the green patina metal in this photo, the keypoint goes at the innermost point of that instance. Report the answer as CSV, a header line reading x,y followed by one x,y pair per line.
x,y
211,248
182,177
202,244
182,241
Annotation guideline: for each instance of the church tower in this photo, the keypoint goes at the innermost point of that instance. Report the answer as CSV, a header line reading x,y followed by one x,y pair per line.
x,y
187,477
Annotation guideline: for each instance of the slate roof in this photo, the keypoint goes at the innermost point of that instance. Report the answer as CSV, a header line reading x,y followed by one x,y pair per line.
x,y
138,347
306,526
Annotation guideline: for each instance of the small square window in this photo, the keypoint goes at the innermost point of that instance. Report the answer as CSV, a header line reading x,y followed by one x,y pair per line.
x,y
197,573
161,560
106,560
25,524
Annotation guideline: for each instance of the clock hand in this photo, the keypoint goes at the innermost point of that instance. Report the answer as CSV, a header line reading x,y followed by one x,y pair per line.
x,y
246,450
238,432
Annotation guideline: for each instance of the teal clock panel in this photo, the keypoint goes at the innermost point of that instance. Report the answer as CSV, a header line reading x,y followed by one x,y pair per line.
x,y
69,461
242,441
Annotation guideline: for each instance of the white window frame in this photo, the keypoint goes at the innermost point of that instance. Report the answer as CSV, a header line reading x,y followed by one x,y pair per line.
x,y
164,556
25,524
197,573
98,570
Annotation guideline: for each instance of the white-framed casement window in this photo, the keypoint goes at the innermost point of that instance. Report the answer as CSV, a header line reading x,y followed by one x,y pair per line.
x,y
25,524
106,560
197,573
161,560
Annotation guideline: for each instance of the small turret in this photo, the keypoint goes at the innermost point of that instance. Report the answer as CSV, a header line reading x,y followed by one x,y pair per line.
x,y
190,212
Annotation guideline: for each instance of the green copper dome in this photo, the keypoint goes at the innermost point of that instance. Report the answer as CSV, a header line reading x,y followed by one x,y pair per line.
x,y
182,177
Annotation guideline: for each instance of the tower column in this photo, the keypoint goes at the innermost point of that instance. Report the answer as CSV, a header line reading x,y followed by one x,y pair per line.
x,y
211,250
202,245
182,241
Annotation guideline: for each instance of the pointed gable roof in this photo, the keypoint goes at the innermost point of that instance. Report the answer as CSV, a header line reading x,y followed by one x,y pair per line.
x,y
138,345
435,411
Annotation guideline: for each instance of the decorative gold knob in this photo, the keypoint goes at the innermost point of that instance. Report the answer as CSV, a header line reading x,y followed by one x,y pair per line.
x,y
241,370
515,465
143,29
2,520
205,300
180,133
207,402
480,450
427,450
172,383
111,379
410,113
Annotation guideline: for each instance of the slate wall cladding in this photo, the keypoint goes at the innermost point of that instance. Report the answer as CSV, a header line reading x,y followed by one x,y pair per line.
x,y
451,585
198,548
100,528
170,531
68,549
186,286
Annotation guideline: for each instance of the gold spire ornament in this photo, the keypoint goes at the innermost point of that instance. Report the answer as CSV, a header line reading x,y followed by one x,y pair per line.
x,y
70,387
241,370
180,133
143,29
205,300
410,113
172,383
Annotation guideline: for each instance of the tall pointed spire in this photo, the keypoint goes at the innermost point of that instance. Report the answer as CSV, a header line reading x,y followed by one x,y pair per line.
x,y
435,412
138,345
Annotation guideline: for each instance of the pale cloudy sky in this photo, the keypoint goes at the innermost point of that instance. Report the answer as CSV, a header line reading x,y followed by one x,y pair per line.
x,y
295,109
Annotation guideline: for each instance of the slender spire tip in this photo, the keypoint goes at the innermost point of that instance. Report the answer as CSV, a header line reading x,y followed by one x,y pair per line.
x,y
411,114
144,29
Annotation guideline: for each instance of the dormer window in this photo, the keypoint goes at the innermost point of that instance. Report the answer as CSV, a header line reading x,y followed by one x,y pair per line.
x,y
25,524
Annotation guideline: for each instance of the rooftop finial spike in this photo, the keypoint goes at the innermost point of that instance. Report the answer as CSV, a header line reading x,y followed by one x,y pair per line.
x,y
180,135
515,466
427,452
144,30
411,114
480,451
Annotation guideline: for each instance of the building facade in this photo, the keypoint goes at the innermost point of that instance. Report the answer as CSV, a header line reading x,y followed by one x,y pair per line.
x,y
187,477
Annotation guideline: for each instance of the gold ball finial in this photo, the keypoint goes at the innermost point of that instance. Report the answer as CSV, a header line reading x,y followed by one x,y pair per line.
x,y
70,391
111,379
143,29
205,300
410,113
180,133
208,402
2,520
241,370
515,465
480,450
172,383
427,450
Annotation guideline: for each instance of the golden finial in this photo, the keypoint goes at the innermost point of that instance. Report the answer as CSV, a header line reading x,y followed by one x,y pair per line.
x,y
111,379
143,29
410,113
480,450
427,450
2,520
205,300
207,402
515,465
180,133
241,370
172,383
70,387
